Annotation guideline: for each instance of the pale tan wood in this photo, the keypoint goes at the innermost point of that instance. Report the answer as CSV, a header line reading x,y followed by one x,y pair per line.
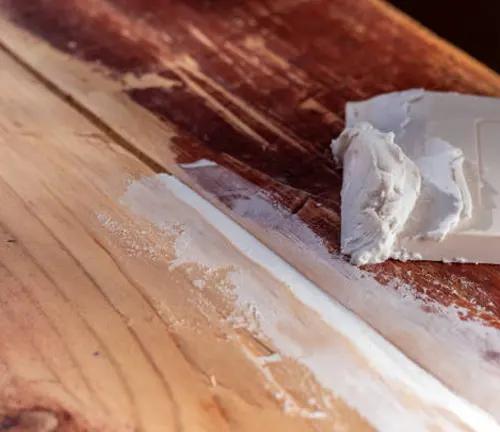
x,y
97,92
96,336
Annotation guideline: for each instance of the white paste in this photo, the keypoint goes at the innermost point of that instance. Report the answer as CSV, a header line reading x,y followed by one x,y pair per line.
x,y
200,163
398,120
445,198
380,188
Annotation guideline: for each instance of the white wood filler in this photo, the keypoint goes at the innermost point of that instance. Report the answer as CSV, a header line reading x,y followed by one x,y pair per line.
x,y
331,368
202,163
431,334
447,136
380,188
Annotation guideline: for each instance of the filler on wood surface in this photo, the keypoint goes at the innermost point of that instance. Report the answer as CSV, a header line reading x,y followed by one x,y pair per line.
x,y
420,179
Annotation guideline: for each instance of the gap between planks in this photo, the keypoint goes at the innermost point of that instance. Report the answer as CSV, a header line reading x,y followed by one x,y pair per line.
x,y
85,112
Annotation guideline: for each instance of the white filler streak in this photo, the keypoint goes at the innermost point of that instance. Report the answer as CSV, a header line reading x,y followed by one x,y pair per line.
x,y
201,163
383,356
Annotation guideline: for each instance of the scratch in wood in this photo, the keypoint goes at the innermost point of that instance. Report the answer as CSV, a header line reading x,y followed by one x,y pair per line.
x,y
222,110
328,116
300,205
148,80
202,37
254,61
213,381
252,112
257,43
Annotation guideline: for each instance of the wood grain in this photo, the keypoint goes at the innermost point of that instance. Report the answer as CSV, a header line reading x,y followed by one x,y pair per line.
x,y
105,325
259,88
95,335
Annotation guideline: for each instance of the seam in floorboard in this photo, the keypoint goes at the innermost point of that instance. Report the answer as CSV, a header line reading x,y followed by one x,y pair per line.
x,y
86,113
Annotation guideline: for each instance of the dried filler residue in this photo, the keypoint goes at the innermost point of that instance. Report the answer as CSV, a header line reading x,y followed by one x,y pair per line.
x,y
374,392
447,140
433,335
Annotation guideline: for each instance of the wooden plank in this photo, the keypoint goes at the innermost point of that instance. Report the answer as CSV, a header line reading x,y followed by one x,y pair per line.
x,y
105,325
263,102
96,337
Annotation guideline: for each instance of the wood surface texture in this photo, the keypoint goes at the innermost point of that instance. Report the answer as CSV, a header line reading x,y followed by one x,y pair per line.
x,y
98,332
142,87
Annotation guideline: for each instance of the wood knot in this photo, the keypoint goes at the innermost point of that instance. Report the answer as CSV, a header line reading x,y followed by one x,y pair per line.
x,y
29,421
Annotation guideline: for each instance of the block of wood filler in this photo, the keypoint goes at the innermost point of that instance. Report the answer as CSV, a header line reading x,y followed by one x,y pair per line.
x,y
421,178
